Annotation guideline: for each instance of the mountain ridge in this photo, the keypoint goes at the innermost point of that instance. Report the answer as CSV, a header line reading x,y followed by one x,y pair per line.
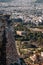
x,y
39,1
5,0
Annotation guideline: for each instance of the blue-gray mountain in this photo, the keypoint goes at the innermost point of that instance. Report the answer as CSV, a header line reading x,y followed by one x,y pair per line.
x,y
17,0
5,0
39,1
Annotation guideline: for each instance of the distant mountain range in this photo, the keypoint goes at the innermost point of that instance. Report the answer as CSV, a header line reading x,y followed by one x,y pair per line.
x,y
39,1
18,0
5,0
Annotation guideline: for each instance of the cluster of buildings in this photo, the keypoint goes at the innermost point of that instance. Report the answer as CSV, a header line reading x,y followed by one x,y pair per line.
x,y
33,57
38,58
27,18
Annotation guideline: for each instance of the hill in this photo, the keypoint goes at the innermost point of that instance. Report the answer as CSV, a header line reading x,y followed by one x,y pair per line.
x,y
5,0
39,1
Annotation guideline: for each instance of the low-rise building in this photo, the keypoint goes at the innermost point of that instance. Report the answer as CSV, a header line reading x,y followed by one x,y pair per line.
x,y
21,33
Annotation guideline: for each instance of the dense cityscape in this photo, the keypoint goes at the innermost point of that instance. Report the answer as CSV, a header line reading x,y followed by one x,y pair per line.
x,y
21,32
